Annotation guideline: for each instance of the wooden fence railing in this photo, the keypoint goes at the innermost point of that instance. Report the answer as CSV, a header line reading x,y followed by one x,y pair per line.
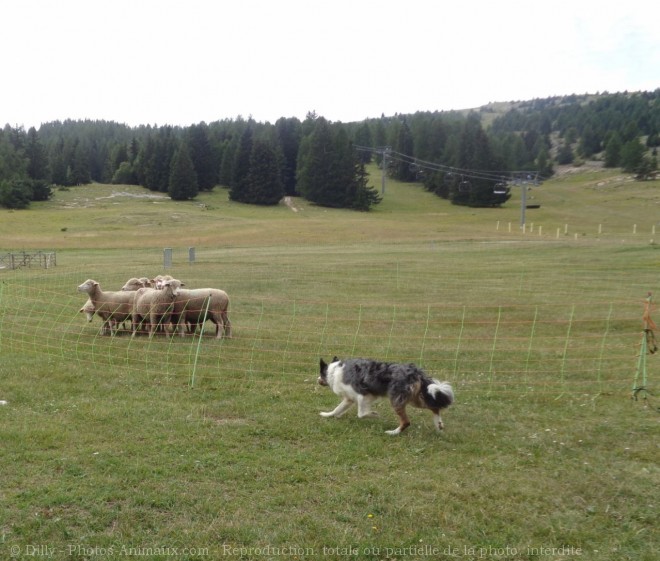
x,y
45,259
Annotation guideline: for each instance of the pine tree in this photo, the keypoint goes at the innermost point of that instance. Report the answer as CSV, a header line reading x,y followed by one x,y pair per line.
x,y
159,153
79,173
36,154
330,173
344,187
264,181
632,155
182,183
228,150
565,154
241,168
201,154
289,133
365,196
316,165
12,164
402,169
613,151
475,156
363,138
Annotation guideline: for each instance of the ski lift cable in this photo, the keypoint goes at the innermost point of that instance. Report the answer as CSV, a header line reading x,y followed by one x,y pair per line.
x,y
472,174
491,175
497,175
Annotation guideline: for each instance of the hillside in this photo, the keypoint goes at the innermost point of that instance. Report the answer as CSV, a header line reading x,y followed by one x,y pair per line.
x,y
317,159
98,215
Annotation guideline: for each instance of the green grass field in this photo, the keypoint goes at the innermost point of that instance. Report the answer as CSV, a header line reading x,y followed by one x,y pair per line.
x,y
196,448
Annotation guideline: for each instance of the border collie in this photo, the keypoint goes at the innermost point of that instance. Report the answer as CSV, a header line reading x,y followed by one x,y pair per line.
x,y
363,381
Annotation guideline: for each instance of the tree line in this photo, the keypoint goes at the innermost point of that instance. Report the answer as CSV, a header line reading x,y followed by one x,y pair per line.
x,y
465,157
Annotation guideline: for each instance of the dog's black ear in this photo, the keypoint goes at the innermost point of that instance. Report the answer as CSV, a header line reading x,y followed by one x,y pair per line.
x,y
335,359
323,367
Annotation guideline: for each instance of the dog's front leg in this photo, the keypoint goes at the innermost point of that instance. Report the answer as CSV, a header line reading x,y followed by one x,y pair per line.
x,y
339,410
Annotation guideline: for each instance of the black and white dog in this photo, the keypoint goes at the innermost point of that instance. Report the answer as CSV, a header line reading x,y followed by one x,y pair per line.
x,y
363,381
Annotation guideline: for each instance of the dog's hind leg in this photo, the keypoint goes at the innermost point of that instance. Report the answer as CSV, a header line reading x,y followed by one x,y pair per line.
x,y
437,420
339,410
404,422
364,406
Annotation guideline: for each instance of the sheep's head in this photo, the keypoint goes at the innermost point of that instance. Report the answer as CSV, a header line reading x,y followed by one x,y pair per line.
x,y
173,285
89,312
88,286
158,282
133,284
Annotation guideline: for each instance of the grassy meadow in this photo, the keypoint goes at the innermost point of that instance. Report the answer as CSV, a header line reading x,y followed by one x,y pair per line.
x,y
196,448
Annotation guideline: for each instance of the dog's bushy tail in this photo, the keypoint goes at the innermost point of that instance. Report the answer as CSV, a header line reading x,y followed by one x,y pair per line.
x,y
438,395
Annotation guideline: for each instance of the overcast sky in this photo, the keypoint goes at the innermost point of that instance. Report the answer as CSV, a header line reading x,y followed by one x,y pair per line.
x,y
181,62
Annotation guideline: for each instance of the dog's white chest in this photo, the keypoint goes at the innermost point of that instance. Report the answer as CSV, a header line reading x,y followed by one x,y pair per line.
x,y
336,382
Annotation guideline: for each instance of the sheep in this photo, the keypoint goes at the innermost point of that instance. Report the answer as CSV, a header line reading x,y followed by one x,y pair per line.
x,y
158,280
131,285
88,309
112,307
135,284
191,305
155,305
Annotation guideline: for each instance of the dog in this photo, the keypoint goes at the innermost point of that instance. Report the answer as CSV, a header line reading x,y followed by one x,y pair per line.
x,y
364,381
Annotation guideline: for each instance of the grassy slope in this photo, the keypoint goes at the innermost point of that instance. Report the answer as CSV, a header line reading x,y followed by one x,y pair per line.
x,y
106,446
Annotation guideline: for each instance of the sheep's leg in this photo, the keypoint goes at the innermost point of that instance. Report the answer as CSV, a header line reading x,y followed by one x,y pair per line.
x,y
153,324
226,324
135,324
181,326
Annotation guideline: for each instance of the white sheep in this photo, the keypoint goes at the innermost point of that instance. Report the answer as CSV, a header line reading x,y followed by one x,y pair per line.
x,y
191,305
88,309
130,285
135,284
112,307
154,305
158,280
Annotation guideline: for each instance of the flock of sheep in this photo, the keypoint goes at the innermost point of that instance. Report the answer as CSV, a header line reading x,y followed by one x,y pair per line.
x,y
157,304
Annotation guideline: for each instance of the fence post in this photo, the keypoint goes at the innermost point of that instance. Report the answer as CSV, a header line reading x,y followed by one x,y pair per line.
x,y
167,257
